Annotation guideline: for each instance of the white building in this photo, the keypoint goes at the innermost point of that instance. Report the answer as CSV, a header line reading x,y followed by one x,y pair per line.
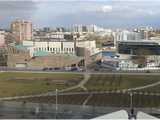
x,y
87,28
56,47
89,45
128,35
80,28
2,38
55,35
60,47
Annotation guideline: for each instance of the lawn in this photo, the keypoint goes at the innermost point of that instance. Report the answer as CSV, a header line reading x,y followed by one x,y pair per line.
x,y
12,84
103,99
119,82
18,84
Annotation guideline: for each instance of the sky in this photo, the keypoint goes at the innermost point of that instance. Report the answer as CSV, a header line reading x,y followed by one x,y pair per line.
x,y
105,13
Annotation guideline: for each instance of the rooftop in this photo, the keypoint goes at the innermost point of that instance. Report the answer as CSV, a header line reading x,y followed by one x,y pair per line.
x,y
41,53
140,42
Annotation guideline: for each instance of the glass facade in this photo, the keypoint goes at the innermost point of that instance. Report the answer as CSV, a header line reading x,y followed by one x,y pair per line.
x,y
136,48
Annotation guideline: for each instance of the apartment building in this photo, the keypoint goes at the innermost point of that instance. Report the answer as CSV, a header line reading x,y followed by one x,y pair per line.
x,y
21,30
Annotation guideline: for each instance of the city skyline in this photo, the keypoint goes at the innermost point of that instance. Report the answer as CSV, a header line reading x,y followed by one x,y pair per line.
x,y
109,13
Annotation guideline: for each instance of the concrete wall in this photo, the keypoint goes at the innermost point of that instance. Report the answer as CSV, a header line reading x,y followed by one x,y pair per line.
x,y
41,62
53,61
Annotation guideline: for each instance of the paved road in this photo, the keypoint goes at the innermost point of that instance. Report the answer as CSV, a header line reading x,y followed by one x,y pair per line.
x,y
96,73
80,85
88,98
144,87
84,81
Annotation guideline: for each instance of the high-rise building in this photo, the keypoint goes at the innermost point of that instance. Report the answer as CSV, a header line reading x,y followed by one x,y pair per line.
x,y
2,38
129,35
21,30
80,28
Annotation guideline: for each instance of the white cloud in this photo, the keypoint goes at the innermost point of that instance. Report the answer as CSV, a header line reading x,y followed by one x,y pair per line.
x,y
152,13
99,8
106,8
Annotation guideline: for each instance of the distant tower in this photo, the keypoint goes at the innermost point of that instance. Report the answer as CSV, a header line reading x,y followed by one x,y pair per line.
x,y
22,30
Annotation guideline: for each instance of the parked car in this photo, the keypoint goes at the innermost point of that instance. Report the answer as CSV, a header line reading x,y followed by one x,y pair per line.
x,y
50,68
57,68
74,69
45,69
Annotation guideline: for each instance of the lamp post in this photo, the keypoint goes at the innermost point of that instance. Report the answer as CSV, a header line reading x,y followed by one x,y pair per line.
x,y
56,103
131,100
56,99
131,106
85,59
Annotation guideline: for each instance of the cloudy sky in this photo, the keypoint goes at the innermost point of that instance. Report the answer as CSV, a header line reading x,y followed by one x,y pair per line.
x,y
108,13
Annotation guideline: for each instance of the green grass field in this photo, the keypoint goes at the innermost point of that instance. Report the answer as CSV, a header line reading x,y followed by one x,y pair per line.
x,y
119,82
18,84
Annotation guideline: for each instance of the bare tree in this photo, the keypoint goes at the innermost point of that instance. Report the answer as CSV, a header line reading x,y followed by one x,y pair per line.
x,y
141,56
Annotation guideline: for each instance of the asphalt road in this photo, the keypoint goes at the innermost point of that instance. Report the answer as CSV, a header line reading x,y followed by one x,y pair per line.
x,y
75,72
27,70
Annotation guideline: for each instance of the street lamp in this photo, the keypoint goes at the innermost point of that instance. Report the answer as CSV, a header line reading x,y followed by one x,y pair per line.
x,y
56,103
131,100
56,99
131,105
